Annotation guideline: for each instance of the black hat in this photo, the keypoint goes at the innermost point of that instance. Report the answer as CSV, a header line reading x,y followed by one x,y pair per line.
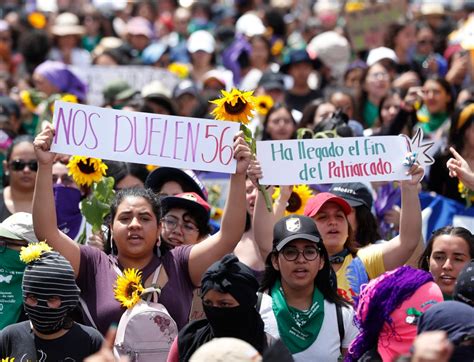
x,y
355,193
271,80
187,179
464,288
294,227
8,108
296,56
185,87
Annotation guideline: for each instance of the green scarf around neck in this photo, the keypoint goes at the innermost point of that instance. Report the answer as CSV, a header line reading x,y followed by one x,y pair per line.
x,y
298,329
430,122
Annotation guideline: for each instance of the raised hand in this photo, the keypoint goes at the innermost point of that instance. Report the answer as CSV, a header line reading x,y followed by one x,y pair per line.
x,y
241,153
417,173
458,167
42,145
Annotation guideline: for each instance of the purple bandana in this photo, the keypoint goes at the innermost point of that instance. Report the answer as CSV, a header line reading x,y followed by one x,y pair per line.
x,y
68,214
62,78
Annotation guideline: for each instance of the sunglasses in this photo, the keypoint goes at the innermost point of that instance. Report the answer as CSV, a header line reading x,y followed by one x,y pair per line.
x,y
19,165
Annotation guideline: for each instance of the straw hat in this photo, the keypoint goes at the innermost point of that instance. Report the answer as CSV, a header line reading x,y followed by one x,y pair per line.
x,y
67,24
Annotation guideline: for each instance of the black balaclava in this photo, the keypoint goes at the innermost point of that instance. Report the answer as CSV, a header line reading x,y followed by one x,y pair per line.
x,y
50,275
244,322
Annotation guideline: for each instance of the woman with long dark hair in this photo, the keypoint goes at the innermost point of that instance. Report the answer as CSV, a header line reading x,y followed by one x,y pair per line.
x,y
302,306
20,168
447,252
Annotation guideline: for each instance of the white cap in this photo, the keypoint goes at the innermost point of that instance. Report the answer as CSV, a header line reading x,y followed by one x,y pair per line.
x,y
333,50
377,54
226,349
201,40
249,24
19,226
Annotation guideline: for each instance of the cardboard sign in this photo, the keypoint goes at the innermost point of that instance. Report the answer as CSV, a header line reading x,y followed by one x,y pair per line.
x,y
367,27
154,139
332,160
97,77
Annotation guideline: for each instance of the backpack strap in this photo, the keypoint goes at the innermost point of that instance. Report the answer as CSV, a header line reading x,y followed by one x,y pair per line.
x,y
340,323
154,290
86,311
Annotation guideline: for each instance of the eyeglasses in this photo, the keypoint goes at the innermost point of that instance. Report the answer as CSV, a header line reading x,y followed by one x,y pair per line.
x,y
65,179
379,75
291,253
19,165
172,223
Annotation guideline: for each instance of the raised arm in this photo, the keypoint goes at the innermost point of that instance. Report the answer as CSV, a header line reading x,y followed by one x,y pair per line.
x,y
44,209
397,251
223,242
458,167
263,221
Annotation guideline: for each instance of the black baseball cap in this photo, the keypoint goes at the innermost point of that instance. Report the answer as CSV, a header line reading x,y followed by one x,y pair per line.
x,y
186,178
294,227
272,81
355,193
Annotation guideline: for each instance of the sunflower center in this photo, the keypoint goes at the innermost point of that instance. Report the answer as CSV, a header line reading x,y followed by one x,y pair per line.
x,y
238,108
294,203
86,168
131,288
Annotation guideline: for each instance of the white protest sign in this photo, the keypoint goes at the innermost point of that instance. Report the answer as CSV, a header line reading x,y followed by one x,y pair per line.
x,y
97,77
332,160
155,139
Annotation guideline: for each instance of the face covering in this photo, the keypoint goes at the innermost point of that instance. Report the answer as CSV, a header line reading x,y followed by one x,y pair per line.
x,y
50,275
68,214
11,274
242,322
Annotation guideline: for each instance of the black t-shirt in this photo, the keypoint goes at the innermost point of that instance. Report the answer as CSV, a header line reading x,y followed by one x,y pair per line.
x,y
298,102
18,341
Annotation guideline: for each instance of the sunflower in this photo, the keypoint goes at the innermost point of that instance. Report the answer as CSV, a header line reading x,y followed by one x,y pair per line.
x,y
86,170
235,106
37,20
466,193
298,199
179,69
263,104
27,100
33,251
277,47
129,288
71,98
151,167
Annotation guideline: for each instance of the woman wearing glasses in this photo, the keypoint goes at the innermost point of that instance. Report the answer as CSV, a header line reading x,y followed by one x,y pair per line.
x,y
20,168
185,220
304,310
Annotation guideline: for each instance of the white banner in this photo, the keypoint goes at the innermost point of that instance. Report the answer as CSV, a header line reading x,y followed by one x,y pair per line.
x,y
97,77
154,139
332,160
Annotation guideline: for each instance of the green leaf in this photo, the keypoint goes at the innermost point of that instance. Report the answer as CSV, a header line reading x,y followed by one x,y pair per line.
x,y
104,189
95,212
249,138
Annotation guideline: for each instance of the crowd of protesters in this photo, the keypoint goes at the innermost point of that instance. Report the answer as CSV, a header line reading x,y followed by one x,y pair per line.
x,y
345,274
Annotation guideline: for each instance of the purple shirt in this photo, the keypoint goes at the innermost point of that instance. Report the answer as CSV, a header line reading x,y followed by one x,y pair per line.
x,y
97,279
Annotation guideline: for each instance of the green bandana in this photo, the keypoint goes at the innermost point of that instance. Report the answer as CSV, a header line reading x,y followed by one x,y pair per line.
x,y
298,329
11,275
430,122
370,113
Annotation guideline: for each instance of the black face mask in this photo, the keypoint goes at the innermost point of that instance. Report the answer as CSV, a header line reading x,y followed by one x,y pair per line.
x,y
47,320
240,322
